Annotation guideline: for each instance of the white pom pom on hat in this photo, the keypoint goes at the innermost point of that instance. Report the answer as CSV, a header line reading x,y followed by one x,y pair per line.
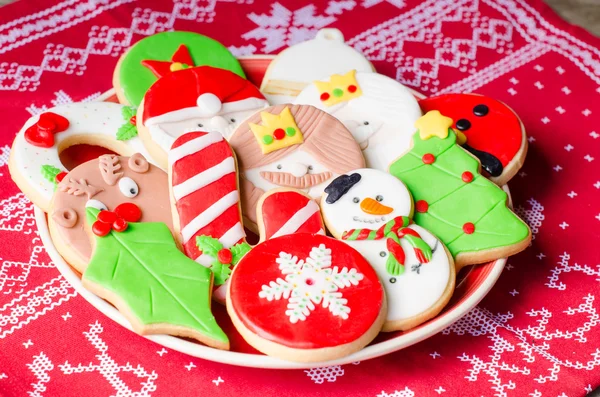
x,y
209,103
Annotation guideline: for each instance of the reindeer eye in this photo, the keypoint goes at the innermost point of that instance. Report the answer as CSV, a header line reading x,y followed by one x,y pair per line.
x,y
379,198
97,204
356,200
128,187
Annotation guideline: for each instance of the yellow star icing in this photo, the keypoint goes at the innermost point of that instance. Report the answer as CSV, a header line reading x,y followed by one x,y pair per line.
x,y
433,123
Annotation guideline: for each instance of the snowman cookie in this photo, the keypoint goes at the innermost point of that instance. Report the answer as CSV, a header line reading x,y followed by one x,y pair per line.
x,y
379,111
488,129
103,184
370,211
195,99
291,146
304,297
299,65
156,56
34,161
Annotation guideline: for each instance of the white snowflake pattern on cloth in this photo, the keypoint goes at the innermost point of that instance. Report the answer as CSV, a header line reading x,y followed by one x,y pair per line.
x,y
311,282
398,393
533,216
329,374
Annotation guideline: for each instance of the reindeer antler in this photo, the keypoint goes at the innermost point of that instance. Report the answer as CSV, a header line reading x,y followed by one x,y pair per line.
x,y
109,165
78,187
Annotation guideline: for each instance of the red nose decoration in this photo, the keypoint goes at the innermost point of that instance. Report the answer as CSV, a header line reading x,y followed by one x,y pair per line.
x,y
41,134
117,220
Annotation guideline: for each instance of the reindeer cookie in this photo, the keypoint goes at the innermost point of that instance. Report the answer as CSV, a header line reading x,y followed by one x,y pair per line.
x,y
304,296
370,210
103,184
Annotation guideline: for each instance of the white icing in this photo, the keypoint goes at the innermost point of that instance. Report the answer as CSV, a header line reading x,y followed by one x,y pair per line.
x,y
297,220
97,204
193,146
86,120
305,62
297,163
209,215
389,108
204,178
128,187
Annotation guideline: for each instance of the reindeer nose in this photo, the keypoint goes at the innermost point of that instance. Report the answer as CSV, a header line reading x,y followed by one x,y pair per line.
x,y
298,169
219,123
374,207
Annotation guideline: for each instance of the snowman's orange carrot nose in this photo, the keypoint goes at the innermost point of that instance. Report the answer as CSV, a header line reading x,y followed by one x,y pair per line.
x,y
374,207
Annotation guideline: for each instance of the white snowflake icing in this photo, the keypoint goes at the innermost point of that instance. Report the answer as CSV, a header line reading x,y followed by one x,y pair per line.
x,y
311,282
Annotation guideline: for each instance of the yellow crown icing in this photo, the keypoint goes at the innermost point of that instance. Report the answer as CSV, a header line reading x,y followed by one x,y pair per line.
x,y
433,123
339,88
276,131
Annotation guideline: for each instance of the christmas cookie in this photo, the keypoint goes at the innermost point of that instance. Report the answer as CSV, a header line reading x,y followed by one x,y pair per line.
x,y
205,200
138,268
299,65
296,146
370,211
306,297
104,184
34,161
379,112
488,129
465,210
161,54
202,98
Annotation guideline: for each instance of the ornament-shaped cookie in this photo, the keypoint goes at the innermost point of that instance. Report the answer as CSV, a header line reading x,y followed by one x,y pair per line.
x,y
370,211
304,297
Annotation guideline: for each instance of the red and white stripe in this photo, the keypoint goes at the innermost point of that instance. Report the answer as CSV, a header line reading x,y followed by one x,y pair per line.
x,y
204,185
288,212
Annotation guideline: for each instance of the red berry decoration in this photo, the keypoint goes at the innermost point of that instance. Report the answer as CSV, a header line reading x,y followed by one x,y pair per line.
x,y
467,177
421,206
129,212
101,229
107,217
120,225
133,120
279,134
468,228
325,96
428,158
352,88
224,256
60,176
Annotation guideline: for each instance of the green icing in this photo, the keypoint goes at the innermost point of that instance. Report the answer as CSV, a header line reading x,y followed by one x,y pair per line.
x,y
290,131
157,282
135,79
211,247
338,92
453,202
267,139
49,172
127,130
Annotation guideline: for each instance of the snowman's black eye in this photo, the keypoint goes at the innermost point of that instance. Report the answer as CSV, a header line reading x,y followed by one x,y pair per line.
x,y
356,199
379,198
463,124
232,120
481,110
365,122
393,280
382,254
200,125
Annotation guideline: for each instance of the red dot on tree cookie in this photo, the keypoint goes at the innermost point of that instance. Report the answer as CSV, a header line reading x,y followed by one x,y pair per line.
x,y
467,177
224,256
468,228
324,96
352,88
279,133
428,158
421,206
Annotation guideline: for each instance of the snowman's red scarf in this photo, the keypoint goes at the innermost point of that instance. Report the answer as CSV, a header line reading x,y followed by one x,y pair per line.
x,y
393,231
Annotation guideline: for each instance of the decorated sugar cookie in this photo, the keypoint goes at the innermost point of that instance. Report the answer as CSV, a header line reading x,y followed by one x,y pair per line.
x,y
205,197
158,55
297,146
379,111
488,129
306,297
299,65
466,211
35,163
370,211
196,99
137,267
103,184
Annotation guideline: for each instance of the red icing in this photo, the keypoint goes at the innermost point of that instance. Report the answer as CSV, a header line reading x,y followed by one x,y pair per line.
x,y
224,256
498,133
162,68
324,96
428,158
116,220
101,229
41,134
467,177
468,228
119,225
107,217
279,207
129,211
60,176
133,120
421,206
351,88
279,133
321,328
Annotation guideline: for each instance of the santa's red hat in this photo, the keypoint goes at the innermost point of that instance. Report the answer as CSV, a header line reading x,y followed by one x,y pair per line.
x,y
202,91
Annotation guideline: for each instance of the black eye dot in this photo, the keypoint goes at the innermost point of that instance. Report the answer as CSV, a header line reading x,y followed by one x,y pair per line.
x,y
279,166
365,122
200,125
232,120
356,199
132,191
382,254
393,280
310,167
481,110
379,198
463,124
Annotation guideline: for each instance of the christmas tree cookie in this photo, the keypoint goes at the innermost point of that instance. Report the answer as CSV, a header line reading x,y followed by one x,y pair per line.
x,y
466,211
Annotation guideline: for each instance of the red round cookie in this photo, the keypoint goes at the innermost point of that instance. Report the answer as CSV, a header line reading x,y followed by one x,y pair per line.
x,y
306,291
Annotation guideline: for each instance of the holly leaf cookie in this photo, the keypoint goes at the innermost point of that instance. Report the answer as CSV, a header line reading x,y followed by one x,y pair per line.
x,y
159,289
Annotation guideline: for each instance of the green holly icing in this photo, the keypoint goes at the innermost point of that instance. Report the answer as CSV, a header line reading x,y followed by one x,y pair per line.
x,y
135,79
159,285
49,172
211,247
128,130
452,202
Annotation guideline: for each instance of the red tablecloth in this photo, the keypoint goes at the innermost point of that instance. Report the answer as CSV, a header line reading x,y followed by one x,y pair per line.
x,y
536,334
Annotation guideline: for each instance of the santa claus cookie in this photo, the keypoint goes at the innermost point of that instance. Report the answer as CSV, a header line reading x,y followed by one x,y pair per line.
x,y
158,55
292,146
299,65
370,211
488,129
379,111
465,210
103,184
305,297
34,161
202,98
